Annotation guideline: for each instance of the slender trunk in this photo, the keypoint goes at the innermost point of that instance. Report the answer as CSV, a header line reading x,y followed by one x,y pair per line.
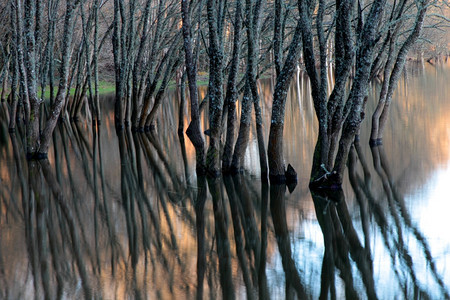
x,y
399,66
152,76
232,94
138,71
345,116
244,131
260,135
275,148
166,63
253,31
15,68
86,33
383,93
23,90
318,83
117,50
171,67
64,73
5,80
95,61
193,132
277,40
215,88
13,95
182,107
76,70
33,141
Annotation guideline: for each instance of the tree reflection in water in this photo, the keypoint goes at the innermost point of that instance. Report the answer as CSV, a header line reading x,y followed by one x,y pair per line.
x,y
278,209
134,224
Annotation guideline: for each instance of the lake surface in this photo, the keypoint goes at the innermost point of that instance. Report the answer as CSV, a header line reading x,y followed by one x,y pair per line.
x,y
124,216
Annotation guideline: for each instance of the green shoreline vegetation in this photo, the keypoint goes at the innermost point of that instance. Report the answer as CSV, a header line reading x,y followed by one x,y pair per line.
x,y
107,87
104,88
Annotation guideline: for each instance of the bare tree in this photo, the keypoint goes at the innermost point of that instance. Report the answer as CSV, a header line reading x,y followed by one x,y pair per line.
x,y
275,147
216,10
394,65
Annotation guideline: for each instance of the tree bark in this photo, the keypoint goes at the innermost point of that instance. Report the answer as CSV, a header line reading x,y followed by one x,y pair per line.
x,y
275,148
193,131
253,32
138,70
33,140
215,14
64,73
232,94
394,77
15,68
359,88
244,131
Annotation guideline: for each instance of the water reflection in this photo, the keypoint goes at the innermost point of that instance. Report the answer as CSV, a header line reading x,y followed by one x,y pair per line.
x,y
403,240
342,248
122,215
294,285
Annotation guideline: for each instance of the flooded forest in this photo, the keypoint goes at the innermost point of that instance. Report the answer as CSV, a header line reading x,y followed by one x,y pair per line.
x,y
215,149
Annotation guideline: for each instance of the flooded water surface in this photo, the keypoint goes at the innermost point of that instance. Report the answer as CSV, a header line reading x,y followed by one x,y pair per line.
x,y
124,216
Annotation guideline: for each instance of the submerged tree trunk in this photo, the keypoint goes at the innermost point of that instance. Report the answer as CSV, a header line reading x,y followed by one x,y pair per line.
x,y
193,132
63,82
358,91
215,11
391,78
138,70
275,148
15,69
33,141
5,79
336,116
122,59
244,131
253,33
232,94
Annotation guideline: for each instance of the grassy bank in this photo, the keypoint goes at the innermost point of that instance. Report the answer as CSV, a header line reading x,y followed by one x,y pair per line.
x,y
104,88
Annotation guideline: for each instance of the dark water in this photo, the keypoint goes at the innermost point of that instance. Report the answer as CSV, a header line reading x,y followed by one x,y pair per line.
x,y
117,217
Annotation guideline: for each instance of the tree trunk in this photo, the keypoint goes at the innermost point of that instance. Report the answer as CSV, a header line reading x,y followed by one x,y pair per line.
x,y
33,140
231,96
64,73
337,116
215,87
171,67
15,68
253,32
244,131
118,50
138,70
5,80
275,148
396,74
193,131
